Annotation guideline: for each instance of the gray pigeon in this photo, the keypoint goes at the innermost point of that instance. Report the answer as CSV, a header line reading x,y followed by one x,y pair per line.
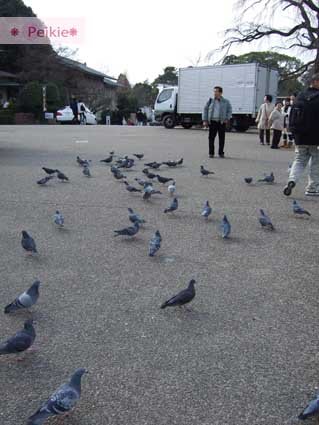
x,y
155,243
205,172
19,342
61,176
58,219
206,212
298,210
62,401
26,300
86,171
312,409
131,188
172,207
28,243
49,170
248,180
265,221
268,179
149,191
45,180
83,162
134,217
225,227
128,231
142,182
182,297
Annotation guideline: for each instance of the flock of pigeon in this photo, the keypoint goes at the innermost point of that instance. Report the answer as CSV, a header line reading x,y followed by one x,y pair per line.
x,y
66,396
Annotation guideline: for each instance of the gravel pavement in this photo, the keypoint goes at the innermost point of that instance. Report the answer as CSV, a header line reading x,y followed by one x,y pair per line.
x,y
247,353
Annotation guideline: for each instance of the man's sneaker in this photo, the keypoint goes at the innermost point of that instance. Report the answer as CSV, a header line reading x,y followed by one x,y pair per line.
x,y
312,193
289,187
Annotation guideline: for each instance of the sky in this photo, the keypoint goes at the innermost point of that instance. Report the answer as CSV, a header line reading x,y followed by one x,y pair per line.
x,y
142,37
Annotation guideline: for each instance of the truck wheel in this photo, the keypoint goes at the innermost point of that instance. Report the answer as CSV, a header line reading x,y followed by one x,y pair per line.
x,y
187,125
169,121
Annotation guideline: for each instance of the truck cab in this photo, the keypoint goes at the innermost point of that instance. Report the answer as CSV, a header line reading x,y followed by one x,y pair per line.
x,y
166,106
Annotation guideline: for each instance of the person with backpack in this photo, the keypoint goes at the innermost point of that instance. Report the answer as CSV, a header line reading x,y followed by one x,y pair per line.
x,y
262,119
304,124
217,113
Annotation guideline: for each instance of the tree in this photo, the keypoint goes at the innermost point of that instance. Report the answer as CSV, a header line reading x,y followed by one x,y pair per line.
x,y
286,66
169,77
302,36
144,93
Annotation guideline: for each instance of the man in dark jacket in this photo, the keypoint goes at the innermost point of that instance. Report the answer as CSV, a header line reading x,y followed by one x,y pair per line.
x,y
307,141
74,107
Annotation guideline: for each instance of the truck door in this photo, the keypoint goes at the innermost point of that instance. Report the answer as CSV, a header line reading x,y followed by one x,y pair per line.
x,y
165,101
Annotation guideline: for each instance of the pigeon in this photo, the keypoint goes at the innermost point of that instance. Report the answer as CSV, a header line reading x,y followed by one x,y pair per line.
x,y
58,219
126,163
180,161
265,221
86,171
171,188
114,169
134,217
248,179
170,163
206,210
62,401
118,175
128,231
164,180
49,170
205,172
172,207
107,160
19,342
149,191
82,162
26,300
139,155
148,174
142,182
131,188
225,228
155,165
312,409
61,176
298,210
182,297
268,179
155,244
28,243
45,180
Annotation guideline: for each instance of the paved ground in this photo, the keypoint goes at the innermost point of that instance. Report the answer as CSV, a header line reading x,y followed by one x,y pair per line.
x,y
246,354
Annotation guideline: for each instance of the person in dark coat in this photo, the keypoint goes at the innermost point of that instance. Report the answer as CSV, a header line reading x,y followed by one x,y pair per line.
x,y
307,140
74,107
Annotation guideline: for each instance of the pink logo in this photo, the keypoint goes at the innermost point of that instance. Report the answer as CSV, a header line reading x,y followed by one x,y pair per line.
x,y
45,31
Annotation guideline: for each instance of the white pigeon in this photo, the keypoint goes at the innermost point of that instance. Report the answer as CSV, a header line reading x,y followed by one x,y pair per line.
x,y
171,188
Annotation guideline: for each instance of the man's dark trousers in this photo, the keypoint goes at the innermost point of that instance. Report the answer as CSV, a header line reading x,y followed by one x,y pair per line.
x,y
214,128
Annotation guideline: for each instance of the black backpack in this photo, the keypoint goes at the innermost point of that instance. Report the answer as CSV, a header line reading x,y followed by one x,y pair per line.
x,y
299,119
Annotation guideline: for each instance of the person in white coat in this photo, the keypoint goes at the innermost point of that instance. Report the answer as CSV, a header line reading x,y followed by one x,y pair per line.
x,y
263,119
276,122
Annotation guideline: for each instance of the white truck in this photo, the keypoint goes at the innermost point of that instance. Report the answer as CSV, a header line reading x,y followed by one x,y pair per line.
x,y
244,85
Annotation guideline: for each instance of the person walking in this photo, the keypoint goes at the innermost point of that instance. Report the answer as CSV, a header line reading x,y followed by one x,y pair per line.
x,y
287,136
140,117
217,113
276,122
74,107
304,124
263,119
81,111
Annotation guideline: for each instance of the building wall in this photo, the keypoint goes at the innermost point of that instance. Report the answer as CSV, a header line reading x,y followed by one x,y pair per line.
x,y
93,92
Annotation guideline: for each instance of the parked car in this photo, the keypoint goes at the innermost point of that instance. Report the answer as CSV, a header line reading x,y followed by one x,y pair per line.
x,y
65,115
